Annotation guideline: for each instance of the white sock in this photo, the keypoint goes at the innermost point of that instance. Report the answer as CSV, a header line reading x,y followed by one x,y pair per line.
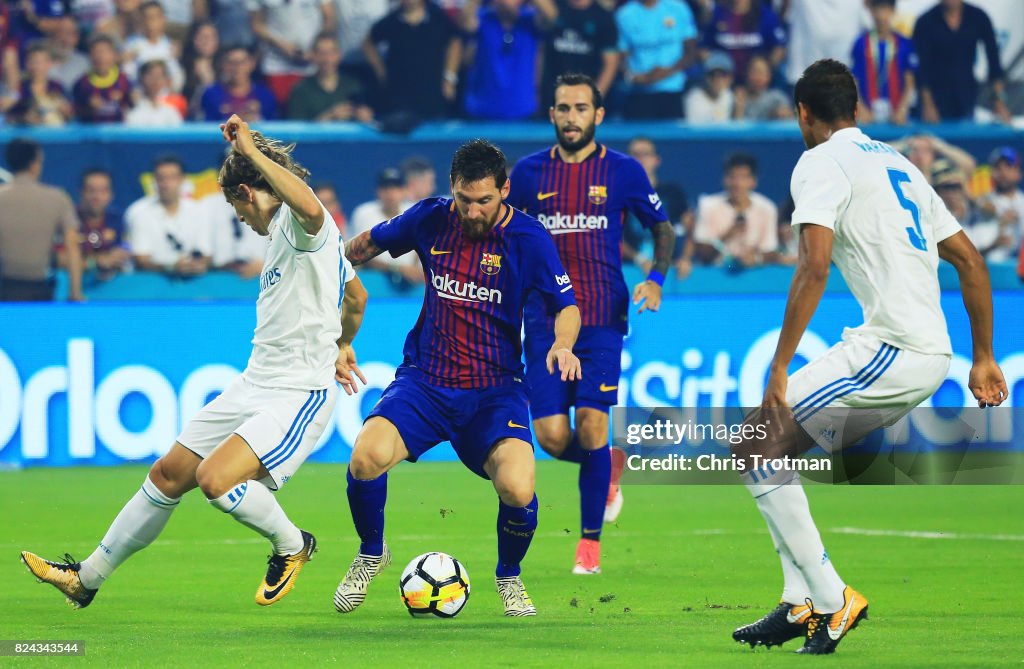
x,y
785,504
253,505
794,587
139,523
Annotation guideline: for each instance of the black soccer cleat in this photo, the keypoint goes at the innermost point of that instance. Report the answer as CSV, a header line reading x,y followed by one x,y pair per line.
x,y
826,630
785,622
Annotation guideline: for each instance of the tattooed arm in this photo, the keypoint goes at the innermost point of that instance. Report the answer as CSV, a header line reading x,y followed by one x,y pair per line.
x,y
362,249
647,293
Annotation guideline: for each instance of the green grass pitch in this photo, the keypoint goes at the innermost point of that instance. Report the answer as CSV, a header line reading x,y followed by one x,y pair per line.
x,y
684,566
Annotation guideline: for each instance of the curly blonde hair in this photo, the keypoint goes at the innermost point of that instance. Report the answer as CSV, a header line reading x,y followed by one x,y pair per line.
x,y
238,170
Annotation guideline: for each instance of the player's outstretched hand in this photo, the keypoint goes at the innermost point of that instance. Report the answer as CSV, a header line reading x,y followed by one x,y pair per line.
x,y
648,295
237,133
987,383
346,370
568,364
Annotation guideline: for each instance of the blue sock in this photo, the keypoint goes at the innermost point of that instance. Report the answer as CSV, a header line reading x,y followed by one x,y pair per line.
x,y
366,500
573,452
595,477
516,526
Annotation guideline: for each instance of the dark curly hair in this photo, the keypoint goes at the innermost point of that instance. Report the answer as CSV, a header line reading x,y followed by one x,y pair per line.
x,y
479,159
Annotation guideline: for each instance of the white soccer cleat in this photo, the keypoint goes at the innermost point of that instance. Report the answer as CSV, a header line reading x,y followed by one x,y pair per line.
x,y
351,591
613,507
513,595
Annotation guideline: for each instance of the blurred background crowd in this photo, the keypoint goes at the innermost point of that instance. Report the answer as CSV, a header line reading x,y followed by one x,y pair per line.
x,y
394,65
164,62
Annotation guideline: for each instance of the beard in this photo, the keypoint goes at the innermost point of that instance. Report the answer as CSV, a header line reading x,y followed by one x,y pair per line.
x,y
586,137
476,229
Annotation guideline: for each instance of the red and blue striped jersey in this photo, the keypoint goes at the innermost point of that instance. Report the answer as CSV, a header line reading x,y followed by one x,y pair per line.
x,y
583,206
468,331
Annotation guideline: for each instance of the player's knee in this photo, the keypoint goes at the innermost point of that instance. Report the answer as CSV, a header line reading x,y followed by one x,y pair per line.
x,y
168,480
553,439
517,494
592,429
368,463
213,482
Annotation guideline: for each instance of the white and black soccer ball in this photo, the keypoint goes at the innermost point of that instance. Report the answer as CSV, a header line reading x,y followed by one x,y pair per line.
x,y
434,584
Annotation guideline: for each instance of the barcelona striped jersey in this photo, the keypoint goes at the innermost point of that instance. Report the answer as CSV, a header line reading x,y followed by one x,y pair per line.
x,y
583,206
468,331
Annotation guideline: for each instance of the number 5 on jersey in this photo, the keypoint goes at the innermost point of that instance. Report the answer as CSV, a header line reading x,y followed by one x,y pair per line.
x,y
897,177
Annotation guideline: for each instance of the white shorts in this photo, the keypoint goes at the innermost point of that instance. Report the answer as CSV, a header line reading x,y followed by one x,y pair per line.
x,y
280,425
880,382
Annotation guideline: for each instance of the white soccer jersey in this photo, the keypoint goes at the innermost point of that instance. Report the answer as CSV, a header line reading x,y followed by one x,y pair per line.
x,y
298,317
887,222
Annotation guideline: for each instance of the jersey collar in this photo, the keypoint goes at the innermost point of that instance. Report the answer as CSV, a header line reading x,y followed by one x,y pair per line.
x,y
599,152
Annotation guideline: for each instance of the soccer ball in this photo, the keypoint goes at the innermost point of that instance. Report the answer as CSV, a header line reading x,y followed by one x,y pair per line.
x,y
434,584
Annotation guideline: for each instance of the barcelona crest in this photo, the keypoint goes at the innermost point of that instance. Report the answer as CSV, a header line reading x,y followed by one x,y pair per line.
x,y
490,264
598,194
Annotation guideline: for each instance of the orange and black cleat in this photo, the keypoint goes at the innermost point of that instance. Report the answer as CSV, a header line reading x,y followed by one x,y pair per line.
x,y
826,630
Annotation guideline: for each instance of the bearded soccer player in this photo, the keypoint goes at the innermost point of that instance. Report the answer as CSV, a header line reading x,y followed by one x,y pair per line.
x,y
462,377
863,206
580,191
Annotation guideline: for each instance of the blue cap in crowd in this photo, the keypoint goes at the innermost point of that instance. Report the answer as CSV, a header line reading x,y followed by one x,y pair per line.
x,y
1007,153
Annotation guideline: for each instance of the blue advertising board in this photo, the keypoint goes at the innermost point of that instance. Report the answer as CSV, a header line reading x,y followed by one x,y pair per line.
x,y
109,383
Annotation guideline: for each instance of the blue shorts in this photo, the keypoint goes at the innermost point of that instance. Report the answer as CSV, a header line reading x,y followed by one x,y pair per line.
x,y
472,420
600,352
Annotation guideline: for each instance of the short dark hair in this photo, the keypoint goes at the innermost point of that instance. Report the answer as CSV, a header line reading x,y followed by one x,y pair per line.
x,y
577,79
150,64
828,90
882,3
149,4
478,159
326,35
102,39
415,166
228,48
37,47
21,153
168,159
94,172
740,159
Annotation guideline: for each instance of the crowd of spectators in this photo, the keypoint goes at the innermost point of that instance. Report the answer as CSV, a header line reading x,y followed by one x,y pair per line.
x,y
181,231
162,62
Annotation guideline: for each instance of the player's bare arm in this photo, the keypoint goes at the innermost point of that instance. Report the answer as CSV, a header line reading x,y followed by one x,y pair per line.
x,y
292,190
815,258
647,293
986,380
362,249
346,369
567,328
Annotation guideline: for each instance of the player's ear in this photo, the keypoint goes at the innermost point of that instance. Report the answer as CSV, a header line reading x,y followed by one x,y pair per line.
x,y
551,114
506,188
598,115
